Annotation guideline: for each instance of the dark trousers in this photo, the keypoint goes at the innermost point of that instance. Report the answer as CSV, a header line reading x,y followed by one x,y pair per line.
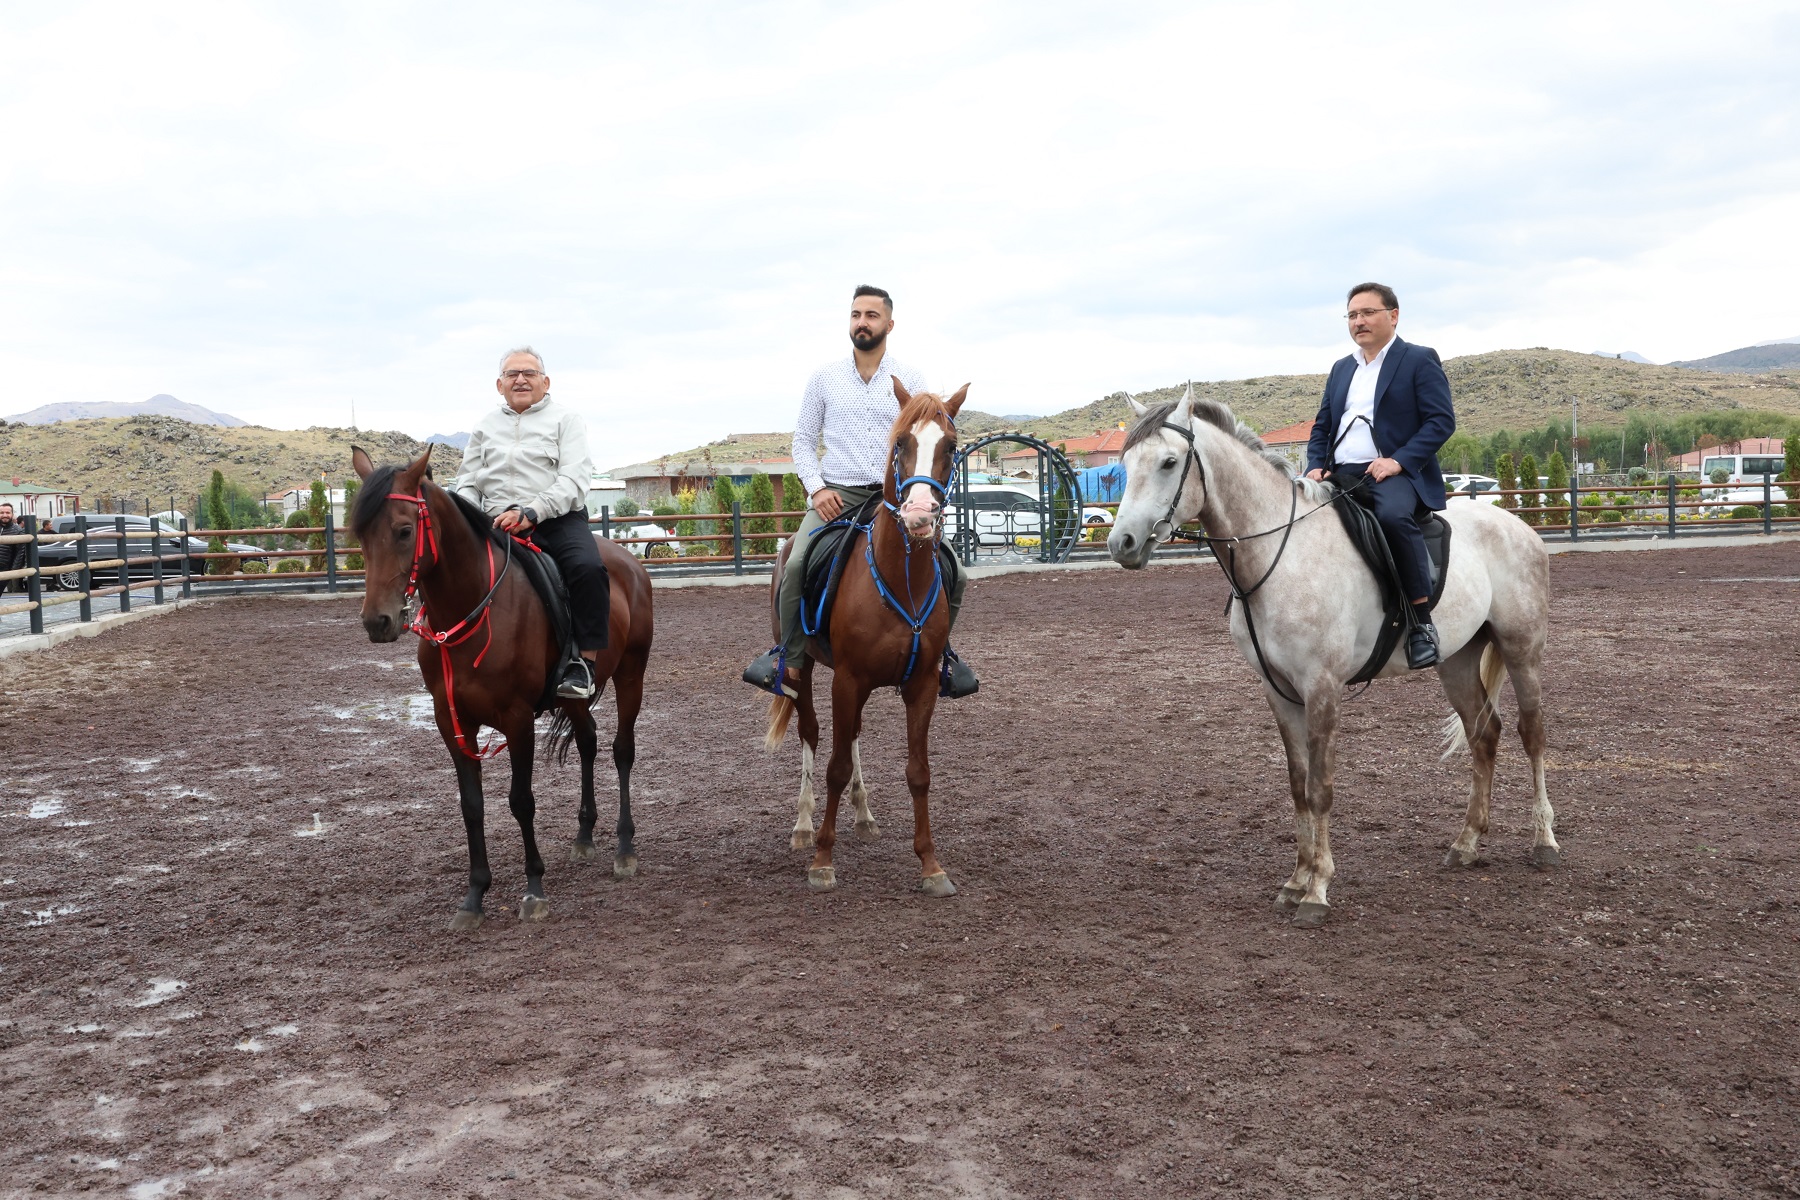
x,y
1398,508
570,541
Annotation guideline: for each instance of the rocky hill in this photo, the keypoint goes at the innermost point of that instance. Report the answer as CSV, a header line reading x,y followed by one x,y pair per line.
x,y
156,457
1776,356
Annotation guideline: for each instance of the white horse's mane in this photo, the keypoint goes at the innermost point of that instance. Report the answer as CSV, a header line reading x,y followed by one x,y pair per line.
x,y
1219,415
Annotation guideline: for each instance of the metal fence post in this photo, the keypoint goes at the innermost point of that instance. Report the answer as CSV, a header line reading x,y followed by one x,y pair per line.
x,y
737,537
1768,517
1574,509
124,565
156,563
187,564
34,585
330,552
1671,504
84,577
606,520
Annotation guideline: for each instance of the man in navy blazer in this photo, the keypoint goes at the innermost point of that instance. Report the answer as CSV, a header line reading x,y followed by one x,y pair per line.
x,y
1385,415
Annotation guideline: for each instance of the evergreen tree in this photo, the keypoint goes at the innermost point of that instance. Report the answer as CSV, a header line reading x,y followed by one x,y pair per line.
x,y
706,501
351,486
1509,478
1528,479
218,516
762,500
793,498
685,530
317,505
1557,472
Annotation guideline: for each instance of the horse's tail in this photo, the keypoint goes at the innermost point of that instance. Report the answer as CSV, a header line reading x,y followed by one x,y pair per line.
x,y
781,711
1493,674
561,735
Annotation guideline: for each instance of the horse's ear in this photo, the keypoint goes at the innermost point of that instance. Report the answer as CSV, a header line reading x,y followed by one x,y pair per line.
x,y
1185,409
1139,409
360,460
416,470
955,402
900,392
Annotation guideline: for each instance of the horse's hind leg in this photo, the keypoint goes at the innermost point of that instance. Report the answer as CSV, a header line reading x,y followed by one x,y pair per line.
x,y
628,689
587,744
847,700
468,786
1525,664
866,829
520,741
802,836
1462,678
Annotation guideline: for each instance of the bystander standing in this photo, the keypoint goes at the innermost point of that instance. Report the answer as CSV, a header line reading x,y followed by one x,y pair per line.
x,y
13,555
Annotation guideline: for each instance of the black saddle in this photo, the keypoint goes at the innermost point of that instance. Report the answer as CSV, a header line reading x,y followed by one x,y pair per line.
x,y
831,549
547,581
1365,533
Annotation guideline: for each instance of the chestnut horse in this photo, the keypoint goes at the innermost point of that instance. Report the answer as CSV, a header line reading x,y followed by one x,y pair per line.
x,y
889,625
487,649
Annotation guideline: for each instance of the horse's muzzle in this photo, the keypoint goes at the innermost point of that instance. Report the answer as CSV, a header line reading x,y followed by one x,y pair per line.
x,y
382,627
1129,550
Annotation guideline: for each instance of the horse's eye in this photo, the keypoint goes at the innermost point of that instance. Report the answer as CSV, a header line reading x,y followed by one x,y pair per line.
x,y
405,531
1169,463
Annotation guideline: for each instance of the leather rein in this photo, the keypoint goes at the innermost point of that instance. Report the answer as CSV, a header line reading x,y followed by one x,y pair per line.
x,y
479,618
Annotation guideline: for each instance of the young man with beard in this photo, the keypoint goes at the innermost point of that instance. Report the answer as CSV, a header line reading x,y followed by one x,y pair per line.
x,y
12,556
850,405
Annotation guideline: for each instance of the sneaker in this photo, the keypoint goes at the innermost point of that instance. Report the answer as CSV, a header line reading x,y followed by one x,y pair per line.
x,y
1422,647
766,670
956,679
577,682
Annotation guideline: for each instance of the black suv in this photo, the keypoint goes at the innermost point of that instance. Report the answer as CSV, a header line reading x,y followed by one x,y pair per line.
x,y
103,544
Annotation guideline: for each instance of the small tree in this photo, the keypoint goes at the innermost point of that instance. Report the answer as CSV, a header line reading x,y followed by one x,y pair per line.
x,y
685,530
317,506
218,516
1557,473
1528,477
762,500
1509,479
625,507
793,497
705,501
353,562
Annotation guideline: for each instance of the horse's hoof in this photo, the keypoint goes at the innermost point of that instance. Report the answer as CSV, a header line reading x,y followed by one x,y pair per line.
x,y
533,908
1287,899
867,831
625,866
465,920
1457,859
1545,857
937,885
1310,914
582,852
802,839
821,879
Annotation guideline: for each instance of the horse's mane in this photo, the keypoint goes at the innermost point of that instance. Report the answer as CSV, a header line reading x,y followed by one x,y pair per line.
x,y
1219,415
380,484
922,406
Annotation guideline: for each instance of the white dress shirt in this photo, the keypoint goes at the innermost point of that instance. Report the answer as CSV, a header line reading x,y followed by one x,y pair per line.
x,y
853,418
1356,438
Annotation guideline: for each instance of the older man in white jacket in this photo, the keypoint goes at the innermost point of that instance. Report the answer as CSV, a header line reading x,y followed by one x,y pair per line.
x,y
527,465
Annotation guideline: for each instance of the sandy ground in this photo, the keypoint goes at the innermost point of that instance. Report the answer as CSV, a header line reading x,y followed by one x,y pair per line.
x,y
231,851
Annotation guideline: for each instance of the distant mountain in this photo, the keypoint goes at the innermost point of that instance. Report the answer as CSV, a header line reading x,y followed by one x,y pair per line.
x,y
459,440
155,406
1628,355
1772,356
1793,341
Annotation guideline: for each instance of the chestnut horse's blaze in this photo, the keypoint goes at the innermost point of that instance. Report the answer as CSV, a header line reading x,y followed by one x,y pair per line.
x,y
873,646
486,650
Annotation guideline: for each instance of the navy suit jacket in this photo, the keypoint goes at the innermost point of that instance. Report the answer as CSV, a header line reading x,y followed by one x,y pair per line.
x,y
1413,417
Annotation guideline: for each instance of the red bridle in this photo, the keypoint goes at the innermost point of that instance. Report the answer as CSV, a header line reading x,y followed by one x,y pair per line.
x,y
457,633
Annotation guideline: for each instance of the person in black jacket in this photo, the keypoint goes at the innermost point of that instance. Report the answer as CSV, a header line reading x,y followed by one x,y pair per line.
x,y
1385,415
12,555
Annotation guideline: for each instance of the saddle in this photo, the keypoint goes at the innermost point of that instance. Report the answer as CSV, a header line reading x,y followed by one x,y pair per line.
x,y
547,581
1366,535
822,569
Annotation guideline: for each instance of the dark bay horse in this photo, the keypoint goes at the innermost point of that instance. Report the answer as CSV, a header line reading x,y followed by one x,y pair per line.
x,y
486,649
889,626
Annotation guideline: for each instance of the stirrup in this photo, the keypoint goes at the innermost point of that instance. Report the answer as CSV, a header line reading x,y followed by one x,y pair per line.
x,y
1427,632
575,686
769,672
955,678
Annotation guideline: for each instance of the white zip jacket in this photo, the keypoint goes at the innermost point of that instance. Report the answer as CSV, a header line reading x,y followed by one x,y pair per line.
x,y
536,459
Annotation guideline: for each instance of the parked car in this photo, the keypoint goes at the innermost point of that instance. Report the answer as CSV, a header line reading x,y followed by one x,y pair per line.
x,y
1721,501
1472,489
1001,514
137,545
664,547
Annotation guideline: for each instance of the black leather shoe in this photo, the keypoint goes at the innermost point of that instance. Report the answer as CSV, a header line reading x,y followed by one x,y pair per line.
x,y
1422,647
766,673
956,680
577,682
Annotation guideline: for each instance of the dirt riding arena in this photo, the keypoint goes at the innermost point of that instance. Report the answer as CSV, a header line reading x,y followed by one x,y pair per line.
x,y
230,853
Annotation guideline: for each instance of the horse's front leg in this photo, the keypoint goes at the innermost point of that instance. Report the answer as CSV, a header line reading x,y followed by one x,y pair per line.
x,y
1290,718
520,742
468,786
1313,829
921,702
802,836
866,828
587,745
848,695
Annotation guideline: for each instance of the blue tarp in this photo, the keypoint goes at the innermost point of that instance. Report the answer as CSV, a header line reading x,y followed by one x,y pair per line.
x,y
1102,485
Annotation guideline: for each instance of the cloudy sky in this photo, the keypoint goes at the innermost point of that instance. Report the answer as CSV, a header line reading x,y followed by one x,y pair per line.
x,y
279,210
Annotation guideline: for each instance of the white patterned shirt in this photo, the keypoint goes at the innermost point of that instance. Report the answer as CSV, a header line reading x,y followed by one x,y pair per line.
x,y
853,418
1356,438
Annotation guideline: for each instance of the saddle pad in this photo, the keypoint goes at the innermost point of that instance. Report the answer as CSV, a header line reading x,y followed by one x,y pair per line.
x,y
831,551
547,581
1366,535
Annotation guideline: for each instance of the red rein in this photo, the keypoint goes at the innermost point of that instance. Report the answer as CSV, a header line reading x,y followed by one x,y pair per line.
x,y
456,634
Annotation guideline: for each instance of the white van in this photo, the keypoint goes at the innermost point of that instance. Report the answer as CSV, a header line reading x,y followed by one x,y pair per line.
x,y
1742,468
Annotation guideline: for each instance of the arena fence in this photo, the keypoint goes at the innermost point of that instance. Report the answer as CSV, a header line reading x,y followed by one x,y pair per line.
x,y
162,560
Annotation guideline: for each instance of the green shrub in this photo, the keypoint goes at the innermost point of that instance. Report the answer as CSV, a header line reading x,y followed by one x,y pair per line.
x,y
1719,475
793,498
1556,473
762,500
1528,477
625,507
1744,512
289,565
1610,515
1508,476
354,563
1640,475
256,567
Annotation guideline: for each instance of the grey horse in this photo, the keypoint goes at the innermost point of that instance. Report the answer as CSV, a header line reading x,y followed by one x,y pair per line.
x,y
1316,614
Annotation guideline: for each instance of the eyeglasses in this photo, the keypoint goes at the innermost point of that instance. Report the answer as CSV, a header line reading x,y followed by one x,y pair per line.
x,y
523,374
1364,312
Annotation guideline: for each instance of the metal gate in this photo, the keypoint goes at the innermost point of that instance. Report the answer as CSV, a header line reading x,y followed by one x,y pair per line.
x,y
997,521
